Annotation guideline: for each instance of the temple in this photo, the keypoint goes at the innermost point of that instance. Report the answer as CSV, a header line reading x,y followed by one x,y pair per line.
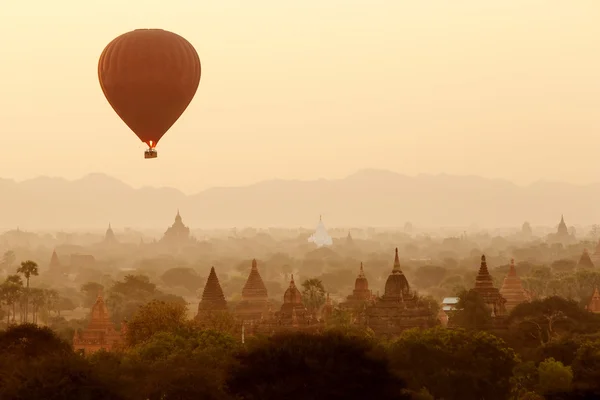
x,y
399,308
109,236
54,264
320,237
100,333
585,261
213,299
484,285
562,234
177,234
255,300
512,289
594,304
361,296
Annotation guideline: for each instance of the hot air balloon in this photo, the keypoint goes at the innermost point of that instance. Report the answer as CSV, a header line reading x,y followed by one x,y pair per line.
x,y
149,77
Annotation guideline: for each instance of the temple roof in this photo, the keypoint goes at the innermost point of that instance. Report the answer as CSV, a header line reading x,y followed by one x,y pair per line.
x,y
255,287
484,285
177,232
396,285
213,298
585,261
54,261
292,295
100,317
562,227
321,237
361,282
597,252
512,288
110,237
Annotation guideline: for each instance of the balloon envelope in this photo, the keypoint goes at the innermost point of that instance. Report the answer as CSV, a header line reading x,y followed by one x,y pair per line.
x,y
149,77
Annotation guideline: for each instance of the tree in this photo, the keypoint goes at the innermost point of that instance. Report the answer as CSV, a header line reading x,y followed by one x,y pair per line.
x,y
90,292
554,377
36,364
185,277
541,321
313,294
300,366
8,259
471,312
27,269
154,317
454,364
586,366
12,289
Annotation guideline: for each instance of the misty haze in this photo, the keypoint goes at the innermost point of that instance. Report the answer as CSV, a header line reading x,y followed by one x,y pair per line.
x,y
314,200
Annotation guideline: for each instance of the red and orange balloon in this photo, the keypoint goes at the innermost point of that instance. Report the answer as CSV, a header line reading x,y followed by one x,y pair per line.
x,y
149,77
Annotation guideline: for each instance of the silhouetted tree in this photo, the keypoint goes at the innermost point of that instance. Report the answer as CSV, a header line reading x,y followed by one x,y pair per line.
x,y
27,269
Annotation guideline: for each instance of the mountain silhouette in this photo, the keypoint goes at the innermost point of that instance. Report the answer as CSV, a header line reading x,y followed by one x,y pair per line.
x,y
365,198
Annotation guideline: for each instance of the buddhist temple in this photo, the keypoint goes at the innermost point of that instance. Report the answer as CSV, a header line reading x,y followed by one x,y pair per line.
x,y
321,237
585,261
512,288
109,237
562,234
100,333
213,299
255,300
399,308
361,295
484,285
178,233
54,262
594,305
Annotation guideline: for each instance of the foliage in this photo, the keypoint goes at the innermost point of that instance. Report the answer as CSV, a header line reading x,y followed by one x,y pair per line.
x,y
471,312
336,366
154,317
313,294
454,364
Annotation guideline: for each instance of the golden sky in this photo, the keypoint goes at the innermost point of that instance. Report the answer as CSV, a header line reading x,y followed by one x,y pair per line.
x,y
313,88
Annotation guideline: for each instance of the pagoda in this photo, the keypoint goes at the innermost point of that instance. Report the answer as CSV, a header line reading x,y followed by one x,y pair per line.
x,y
255,300
100,333
361,295
594,305
213,299
512,288
585,261
177,233
292,303
54,265
484,285
109,236
562,234
320,237
399,308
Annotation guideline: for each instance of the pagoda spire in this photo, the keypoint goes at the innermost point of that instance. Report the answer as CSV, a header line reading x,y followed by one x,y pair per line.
x,y
396,269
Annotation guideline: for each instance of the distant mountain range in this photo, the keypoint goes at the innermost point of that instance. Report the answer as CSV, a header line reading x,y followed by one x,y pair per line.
x,y
366,198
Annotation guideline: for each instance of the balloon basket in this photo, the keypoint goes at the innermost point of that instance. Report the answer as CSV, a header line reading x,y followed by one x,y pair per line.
x,y
150,153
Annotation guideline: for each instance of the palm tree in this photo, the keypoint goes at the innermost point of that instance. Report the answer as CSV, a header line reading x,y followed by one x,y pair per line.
x,y
28,269
313,294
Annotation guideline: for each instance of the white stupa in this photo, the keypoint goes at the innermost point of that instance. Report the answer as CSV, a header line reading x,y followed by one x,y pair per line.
x,y
320,237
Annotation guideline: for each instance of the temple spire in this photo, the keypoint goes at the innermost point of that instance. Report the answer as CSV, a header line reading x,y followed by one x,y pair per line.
x,y
396,268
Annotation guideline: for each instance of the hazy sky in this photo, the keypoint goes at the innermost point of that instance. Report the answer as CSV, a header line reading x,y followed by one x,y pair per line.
x,y
313,88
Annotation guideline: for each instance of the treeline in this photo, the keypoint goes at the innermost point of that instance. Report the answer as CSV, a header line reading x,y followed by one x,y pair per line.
x,y
167,356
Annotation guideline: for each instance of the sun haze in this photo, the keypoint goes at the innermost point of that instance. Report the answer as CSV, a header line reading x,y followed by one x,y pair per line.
x,y
313,89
